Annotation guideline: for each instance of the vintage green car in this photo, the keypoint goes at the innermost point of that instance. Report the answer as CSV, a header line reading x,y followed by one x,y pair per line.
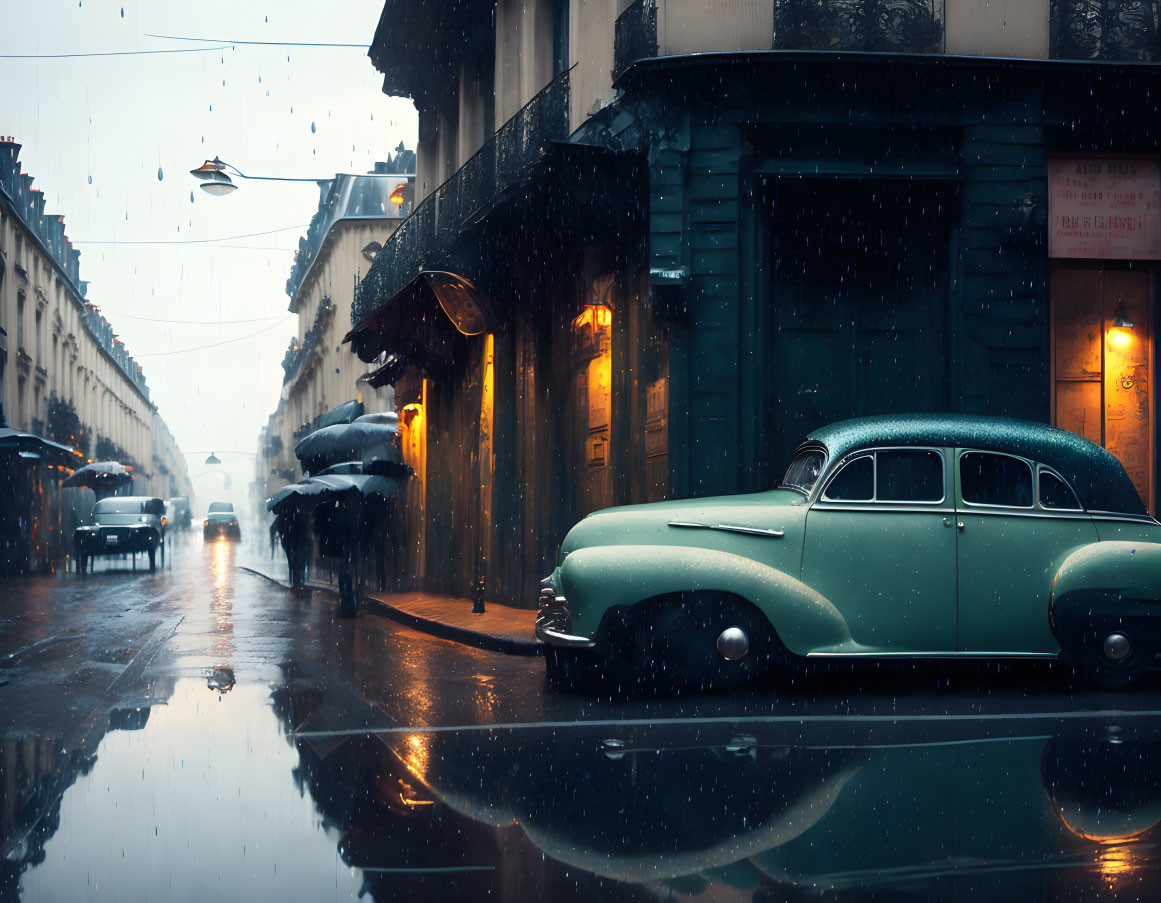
x,y
913,537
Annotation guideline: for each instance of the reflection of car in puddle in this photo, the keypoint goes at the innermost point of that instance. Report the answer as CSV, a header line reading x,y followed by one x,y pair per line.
x,y
775,809
221,678
133,719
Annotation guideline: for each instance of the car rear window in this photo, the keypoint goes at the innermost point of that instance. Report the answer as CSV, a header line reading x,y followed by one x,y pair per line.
x,y
221,506
991,479
223,516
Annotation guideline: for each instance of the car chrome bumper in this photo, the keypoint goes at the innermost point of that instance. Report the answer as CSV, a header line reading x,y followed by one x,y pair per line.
x,y
554,624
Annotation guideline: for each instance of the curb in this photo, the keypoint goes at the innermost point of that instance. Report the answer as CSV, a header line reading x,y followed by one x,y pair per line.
x,y
427,625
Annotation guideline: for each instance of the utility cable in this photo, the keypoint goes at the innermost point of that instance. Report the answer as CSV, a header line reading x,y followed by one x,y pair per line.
x,y
110,314
175,37
67,56
185,241
214,345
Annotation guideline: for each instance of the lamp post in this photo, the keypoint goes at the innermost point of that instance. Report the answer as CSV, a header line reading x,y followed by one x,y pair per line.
x,y
215,177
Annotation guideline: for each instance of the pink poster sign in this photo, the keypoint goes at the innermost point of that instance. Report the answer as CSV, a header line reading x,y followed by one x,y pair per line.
x,y
1104,208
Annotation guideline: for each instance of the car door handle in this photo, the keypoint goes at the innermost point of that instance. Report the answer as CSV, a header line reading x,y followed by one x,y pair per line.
x,y
959,526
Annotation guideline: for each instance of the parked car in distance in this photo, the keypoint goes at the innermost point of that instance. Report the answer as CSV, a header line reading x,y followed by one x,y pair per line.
x,y
122,525
221,507
908,537
221,525
179,512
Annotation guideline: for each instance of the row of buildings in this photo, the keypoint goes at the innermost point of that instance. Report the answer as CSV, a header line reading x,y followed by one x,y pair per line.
x,y
64,374
356,214
654,243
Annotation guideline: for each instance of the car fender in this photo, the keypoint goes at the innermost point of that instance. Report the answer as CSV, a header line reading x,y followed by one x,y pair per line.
x,y
597,578
1104,584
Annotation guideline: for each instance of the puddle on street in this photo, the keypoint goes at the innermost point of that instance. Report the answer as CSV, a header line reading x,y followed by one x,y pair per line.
x,y
194,800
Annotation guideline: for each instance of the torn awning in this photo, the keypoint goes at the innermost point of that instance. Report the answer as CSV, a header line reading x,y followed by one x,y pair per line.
x,y
412,324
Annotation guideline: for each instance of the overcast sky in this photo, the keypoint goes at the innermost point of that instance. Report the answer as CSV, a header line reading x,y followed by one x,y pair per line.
x,y
110,141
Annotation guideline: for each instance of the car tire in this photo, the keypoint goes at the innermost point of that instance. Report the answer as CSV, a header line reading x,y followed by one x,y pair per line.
x,y
1096,668
676,643
152,559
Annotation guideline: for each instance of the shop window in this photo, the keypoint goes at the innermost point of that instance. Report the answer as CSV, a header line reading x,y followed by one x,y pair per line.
x,y
1102,353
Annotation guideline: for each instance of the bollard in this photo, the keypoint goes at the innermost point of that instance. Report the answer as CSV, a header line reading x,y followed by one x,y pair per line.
x,y
478,596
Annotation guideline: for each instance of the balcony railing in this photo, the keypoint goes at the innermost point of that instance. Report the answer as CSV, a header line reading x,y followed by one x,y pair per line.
x,y
887,26
635,34
427,238
1125,30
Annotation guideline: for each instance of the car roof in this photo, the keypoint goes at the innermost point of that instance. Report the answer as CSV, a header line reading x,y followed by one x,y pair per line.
x,y
1098,478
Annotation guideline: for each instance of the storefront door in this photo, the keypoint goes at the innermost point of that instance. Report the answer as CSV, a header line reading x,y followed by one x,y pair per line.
x,y
1102,346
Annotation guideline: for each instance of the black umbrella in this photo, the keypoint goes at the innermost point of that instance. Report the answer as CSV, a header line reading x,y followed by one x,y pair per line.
x,y
103,476
371,440
293,495
31,446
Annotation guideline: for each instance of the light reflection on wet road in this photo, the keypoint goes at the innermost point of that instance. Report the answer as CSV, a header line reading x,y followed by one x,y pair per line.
x,y
362,756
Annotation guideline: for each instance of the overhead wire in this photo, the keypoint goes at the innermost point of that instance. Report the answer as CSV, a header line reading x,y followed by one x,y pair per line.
x,y
199,322
65,56
213,345
185,241
174,37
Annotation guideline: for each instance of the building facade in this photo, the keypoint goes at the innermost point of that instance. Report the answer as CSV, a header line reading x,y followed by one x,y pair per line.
x,y
64,374
355,216
698,231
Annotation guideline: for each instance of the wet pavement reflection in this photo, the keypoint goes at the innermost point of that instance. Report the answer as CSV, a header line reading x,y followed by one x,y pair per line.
x,y
204,733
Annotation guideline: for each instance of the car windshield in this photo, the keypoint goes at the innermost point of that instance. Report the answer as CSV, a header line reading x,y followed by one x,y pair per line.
x,y
803,471
119,506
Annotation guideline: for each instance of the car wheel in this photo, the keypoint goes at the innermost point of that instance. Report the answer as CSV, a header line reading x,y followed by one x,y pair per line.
x,y
1114,659
152,559
703,640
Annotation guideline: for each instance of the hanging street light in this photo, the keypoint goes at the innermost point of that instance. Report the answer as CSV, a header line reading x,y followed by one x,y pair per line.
x,y
215,176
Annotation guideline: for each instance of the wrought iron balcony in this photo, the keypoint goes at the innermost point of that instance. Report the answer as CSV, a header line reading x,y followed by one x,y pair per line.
x,y
1124,30
890,26
427,239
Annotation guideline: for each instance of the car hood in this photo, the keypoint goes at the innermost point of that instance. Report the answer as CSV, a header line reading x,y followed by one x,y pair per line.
x,y
780,510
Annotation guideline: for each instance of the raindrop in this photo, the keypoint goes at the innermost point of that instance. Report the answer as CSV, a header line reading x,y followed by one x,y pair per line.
x,y
312,128
223,83
268,92
211,108
126,216
160,174
203,139
313,151
259,79
267,19
191,196
292,109
122,12
352,148
90,177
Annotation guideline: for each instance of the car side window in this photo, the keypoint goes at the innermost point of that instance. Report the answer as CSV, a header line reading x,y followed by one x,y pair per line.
x,y
991,479
1057,494
909,475
854,483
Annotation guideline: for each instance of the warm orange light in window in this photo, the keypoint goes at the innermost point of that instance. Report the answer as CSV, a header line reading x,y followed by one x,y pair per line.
x,y
594,314
398,195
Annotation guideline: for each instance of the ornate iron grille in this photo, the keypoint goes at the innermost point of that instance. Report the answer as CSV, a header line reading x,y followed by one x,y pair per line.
x,y
1106,30
635,34
886,26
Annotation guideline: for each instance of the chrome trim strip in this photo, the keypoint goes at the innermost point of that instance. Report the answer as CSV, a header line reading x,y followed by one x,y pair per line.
x,y
952,655
1042,514
879,507
731,528
1127,518
565,640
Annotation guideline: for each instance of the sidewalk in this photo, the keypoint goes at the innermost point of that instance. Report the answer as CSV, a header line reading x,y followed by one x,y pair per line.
x,y
501,628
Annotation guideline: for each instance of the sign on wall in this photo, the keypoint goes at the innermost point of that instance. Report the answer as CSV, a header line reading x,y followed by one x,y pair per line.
x,y
1104,208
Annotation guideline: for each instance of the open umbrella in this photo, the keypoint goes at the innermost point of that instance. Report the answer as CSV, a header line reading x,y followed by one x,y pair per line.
x,y
293,495
371,439
102,476
32,447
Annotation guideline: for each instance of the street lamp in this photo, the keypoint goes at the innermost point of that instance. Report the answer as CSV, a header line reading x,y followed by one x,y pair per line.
x,y
213,459
215,178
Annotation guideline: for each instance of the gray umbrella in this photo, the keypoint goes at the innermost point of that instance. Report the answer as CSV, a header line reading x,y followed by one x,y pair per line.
x,y
293,494
100,475
371,439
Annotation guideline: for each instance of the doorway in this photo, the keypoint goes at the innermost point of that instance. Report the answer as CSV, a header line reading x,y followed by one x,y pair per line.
x,y
1102,363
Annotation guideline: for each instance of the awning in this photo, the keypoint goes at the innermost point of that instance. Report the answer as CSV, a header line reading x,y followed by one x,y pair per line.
x,y
29,446
408,324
